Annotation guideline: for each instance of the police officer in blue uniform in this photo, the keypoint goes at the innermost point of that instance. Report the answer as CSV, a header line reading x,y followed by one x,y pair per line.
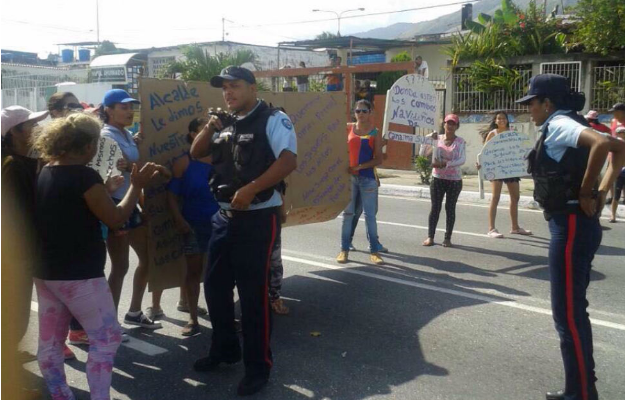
x,y
254,149
565,165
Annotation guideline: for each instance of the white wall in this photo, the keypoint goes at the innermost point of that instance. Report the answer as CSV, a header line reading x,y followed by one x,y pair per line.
x,y
432,53
88,92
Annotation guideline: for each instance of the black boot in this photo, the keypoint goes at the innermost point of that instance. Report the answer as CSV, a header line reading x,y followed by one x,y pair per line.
x,y
251,384
211,363
557,395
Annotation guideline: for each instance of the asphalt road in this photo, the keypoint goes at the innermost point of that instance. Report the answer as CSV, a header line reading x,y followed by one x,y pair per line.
x,y
470,322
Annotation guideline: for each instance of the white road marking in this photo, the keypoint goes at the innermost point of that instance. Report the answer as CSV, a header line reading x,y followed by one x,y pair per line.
x,y
478,297
460,203
134,343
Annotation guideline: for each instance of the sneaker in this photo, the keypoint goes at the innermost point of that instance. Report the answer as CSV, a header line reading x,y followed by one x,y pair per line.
x,y
278,307
342,257
142,321
376,259
68,354
154,313
78,337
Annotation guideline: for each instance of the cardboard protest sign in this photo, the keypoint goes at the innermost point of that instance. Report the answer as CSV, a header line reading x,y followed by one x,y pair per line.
x,y
167,108
411,101
504,157
317,191
105,160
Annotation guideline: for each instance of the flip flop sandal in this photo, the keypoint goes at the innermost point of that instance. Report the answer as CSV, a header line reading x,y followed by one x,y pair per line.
x,y
522,232
494,234
191,330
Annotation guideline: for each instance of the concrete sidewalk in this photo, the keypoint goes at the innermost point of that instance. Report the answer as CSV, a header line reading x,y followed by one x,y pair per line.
x,y
408,184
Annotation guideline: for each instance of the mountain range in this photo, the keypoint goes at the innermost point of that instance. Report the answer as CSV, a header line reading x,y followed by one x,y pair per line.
x,y
449,22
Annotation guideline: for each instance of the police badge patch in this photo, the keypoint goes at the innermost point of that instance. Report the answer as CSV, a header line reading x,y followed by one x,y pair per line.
x,y
287,124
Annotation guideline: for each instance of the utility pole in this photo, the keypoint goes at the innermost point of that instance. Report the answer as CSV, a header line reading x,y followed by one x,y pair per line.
x,y
97,20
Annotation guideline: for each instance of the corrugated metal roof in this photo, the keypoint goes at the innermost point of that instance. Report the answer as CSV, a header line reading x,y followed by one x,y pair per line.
x,y
113,60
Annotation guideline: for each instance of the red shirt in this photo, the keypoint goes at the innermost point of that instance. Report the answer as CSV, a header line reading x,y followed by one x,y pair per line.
x,y
599,127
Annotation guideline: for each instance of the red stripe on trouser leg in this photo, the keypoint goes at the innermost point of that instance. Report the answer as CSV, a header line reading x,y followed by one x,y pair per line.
x,y
570,312
266,296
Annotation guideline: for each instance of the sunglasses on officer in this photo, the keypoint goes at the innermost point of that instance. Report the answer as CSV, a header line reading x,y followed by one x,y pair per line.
x,y
362,110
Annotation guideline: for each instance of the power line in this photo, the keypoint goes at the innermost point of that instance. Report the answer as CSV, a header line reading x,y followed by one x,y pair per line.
x,y
48,26
360,15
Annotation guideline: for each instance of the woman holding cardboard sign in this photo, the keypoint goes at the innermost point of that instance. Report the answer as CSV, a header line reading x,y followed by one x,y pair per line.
x,y
365,152
446,178
499,124
117,112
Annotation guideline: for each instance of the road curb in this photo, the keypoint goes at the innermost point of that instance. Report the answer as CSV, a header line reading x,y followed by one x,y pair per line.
x,y
419,192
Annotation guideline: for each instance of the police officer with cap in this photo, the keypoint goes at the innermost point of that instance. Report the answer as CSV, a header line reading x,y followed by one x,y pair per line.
x,y
254,149
565,165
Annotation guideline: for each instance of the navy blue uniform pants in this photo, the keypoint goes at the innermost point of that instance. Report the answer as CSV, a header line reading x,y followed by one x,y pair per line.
x,y
239,255
575,239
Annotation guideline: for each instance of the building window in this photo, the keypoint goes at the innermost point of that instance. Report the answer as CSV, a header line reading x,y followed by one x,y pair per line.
x,y
158,66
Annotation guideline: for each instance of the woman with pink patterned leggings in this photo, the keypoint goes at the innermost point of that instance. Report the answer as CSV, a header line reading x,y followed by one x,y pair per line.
x,y
71,201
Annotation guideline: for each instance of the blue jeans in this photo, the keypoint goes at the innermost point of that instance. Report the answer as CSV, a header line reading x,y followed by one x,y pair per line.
x,y
367,190
575,238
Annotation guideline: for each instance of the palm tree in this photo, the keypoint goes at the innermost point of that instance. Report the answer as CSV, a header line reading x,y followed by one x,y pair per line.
x,y
326,35
198,65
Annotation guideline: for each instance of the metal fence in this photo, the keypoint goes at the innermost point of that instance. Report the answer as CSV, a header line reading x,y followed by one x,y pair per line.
x,y
608,85
33,98
569,69
468,98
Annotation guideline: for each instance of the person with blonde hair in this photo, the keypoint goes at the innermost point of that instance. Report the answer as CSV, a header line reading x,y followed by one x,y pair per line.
x,y
71,200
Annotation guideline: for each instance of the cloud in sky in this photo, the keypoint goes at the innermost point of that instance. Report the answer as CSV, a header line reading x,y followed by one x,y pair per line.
x,y
38,26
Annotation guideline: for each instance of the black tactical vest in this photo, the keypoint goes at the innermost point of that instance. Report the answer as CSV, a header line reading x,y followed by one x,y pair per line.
x,y
242,153
557,183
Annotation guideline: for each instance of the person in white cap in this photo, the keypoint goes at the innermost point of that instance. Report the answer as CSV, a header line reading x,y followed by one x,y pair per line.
x,y
19,176
593,119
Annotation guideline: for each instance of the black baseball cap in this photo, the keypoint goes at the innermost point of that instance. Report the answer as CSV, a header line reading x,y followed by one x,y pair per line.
x,y
546,85
233,73
617,107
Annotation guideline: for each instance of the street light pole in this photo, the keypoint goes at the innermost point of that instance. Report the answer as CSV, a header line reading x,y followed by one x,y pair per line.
x,y
339,15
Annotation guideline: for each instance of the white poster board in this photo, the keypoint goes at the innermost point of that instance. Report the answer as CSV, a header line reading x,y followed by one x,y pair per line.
x,y
504,157
411,101
105,160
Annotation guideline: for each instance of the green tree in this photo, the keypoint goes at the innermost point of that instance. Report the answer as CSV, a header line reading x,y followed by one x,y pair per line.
x,y
106,47
386,79
325,35
199,65
601,27
511,32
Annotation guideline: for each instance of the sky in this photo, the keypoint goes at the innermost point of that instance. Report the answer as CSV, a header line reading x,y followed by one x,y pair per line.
x,y
38,26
